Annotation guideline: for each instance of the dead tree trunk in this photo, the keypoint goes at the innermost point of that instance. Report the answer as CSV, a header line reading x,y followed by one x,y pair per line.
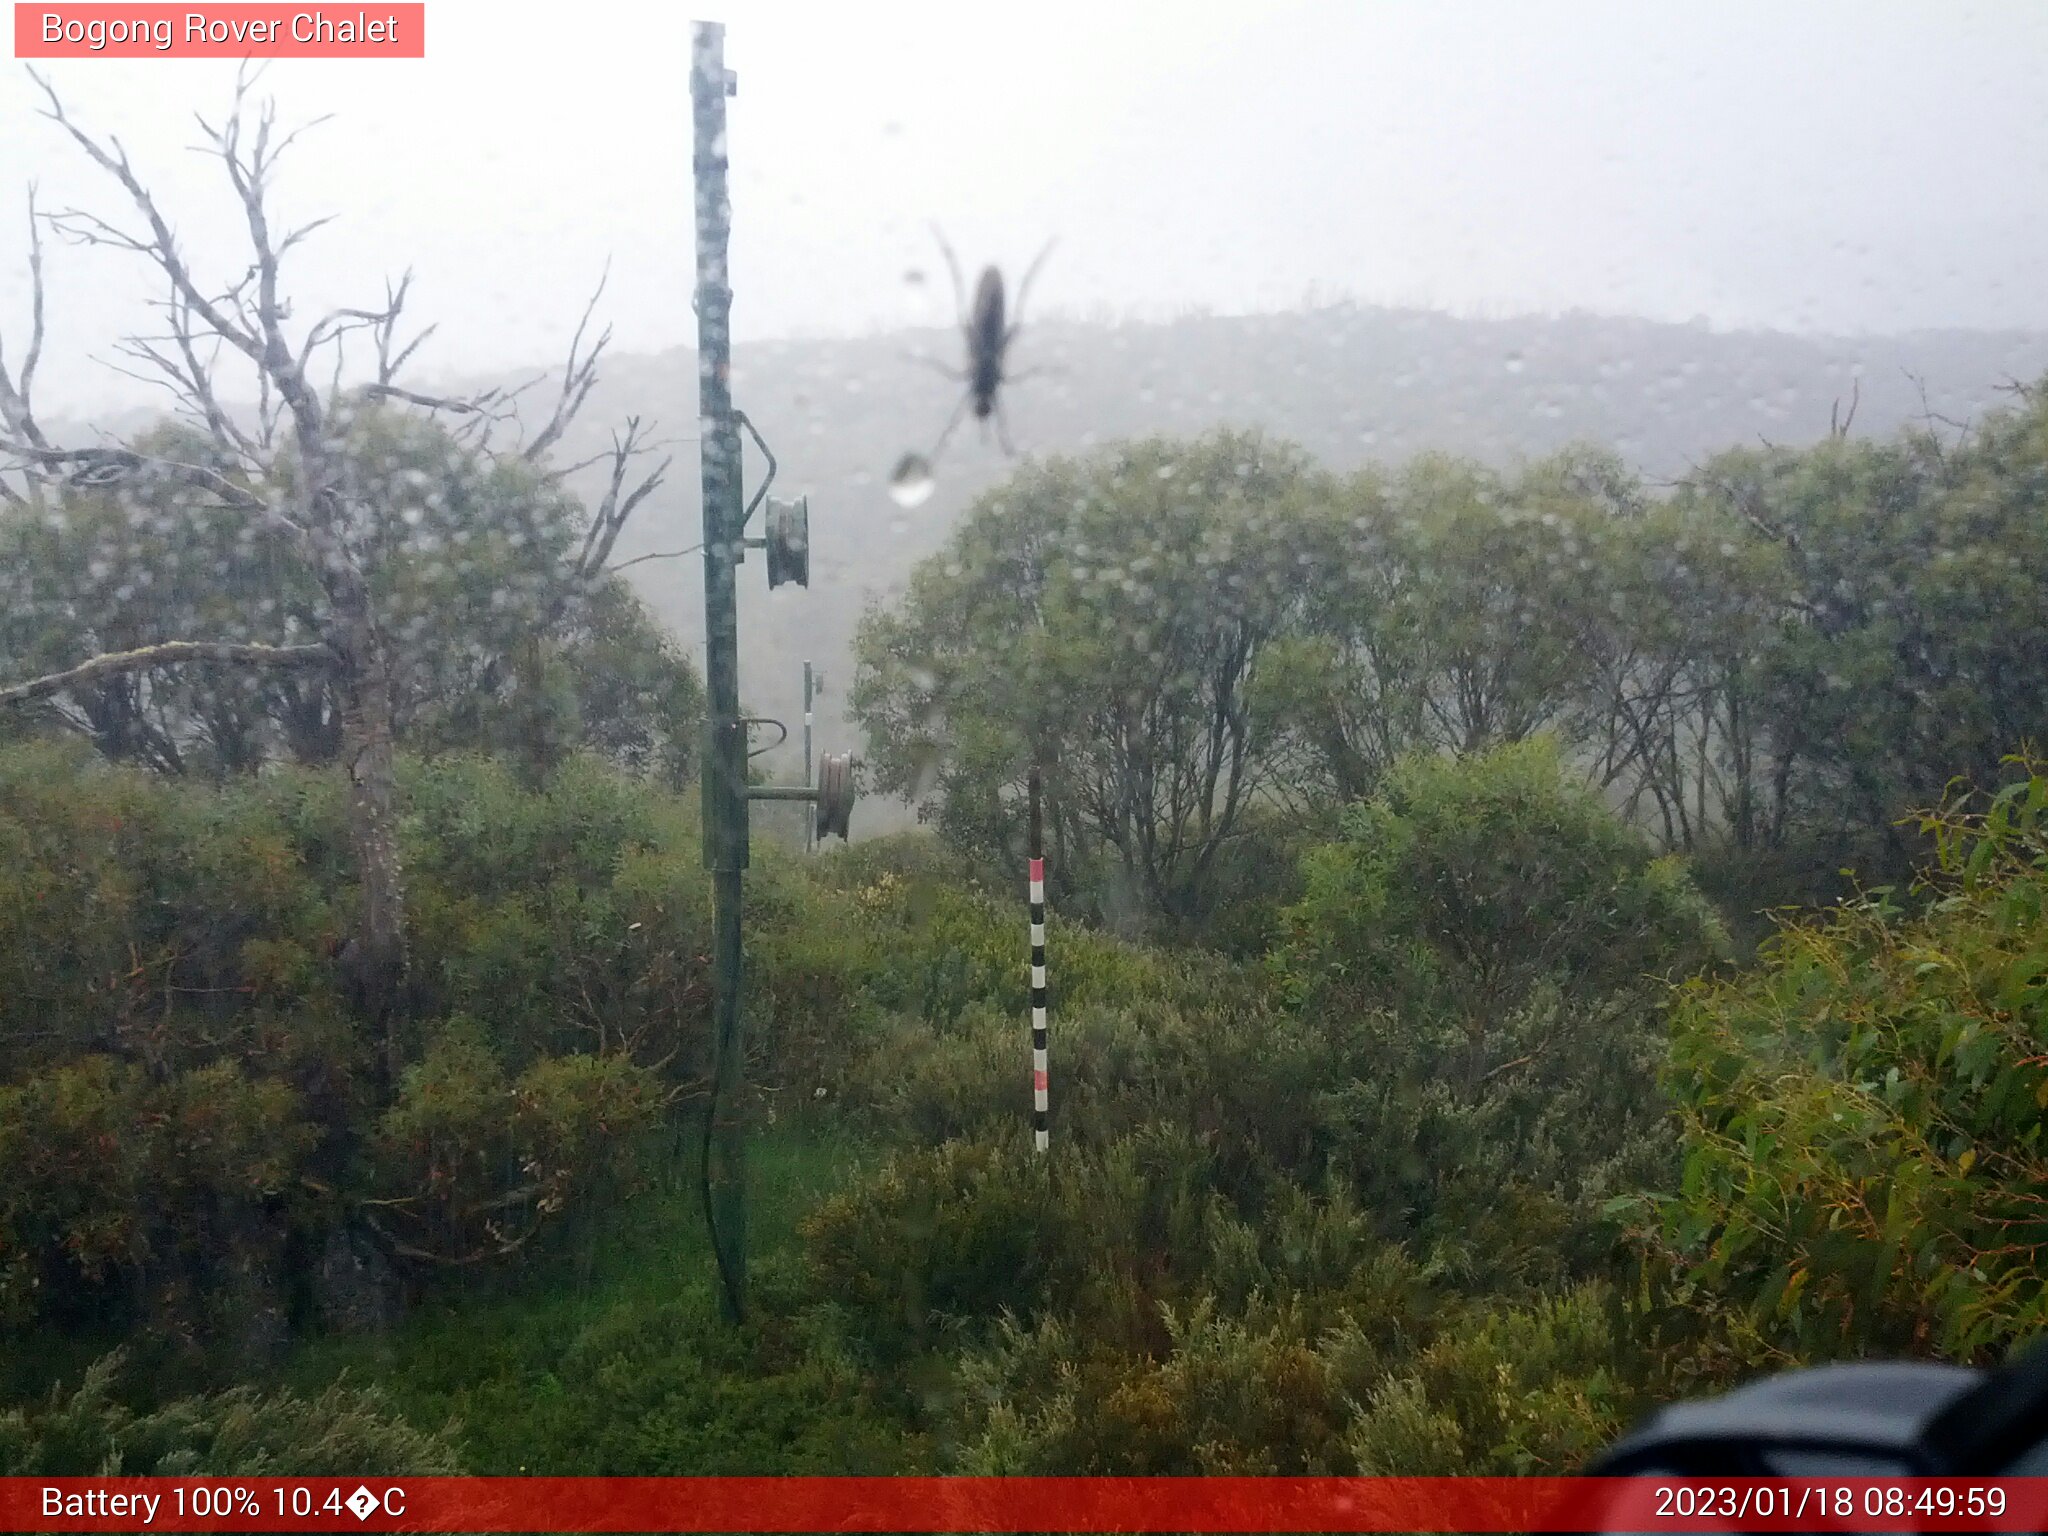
x,y
289,474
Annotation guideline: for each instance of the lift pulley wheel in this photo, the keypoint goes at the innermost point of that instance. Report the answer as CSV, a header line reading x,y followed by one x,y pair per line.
x,y
835,794
788,539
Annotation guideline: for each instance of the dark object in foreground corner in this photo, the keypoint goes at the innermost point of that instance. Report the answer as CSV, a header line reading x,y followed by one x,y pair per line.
x,y
1888,1419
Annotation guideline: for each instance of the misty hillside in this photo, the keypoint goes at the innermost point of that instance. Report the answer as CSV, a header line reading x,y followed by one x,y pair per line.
x,y
1350,384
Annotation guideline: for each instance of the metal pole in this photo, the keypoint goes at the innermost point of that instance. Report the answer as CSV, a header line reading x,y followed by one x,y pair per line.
x,y
1039,1105
725,748
811,815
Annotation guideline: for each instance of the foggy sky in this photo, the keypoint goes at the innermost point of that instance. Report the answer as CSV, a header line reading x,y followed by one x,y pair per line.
x,y
1820,167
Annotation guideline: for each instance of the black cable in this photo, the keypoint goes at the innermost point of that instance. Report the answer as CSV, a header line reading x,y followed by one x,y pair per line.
x,y
719,1256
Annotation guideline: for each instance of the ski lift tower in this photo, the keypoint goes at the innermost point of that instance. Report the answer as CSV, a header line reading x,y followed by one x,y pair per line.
x,y
785,541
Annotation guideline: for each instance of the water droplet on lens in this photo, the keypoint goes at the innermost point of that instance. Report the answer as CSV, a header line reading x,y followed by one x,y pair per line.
x,y
912,483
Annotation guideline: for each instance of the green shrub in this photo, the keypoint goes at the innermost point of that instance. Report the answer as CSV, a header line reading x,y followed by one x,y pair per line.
x,y
189,1109
1464,887
116,1189
162,922
472,1162
661,1390
1487,949
1508,1391
86,1431
1226,1398
1863,1112
961,1231
1247,1085
1444,1389
914,858
939,1240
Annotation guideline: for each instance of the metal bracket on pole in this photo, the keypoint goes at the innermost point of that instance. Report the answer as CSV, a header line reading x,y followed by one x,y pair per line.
x,y
768,479
832,795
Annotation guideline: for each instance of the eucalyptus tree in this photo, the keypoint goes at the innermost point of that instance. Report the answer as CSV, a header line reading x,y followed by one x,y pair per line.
x,y
301,497
1105,617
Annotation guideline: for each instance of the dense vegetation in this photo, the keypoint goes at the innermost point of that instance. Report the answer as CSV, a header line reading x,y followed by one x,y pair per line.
x,y
1422,1100
1765,668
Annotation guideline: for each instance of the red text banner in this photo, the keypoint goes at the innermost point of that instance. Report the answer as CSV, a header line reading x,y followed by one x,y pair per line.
x,y
1021,1505
242,31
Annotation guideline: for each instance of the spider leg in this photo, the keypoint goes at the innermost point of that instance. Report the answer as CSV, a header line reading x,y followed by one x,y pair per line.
x,y
932,362
953,266
958,411
1030,272
1003,429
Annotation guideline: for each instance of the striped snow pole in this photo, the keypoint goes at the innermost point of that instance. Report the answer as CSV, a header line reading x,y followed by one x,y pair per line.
x,y
1038,1005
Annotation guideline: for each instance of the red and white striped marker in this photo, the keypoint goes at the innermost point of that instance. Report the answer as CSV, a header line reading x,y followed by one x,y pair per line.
x,y
1039,1102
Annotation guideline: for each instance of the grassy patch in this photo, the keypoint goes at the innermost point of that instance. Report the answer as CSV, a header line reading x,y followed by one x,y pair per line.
x,y
612,1358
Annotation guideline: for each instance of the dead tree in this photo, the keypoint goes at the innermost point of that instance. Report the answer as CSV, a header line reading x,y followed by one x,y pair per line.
x,y
285,471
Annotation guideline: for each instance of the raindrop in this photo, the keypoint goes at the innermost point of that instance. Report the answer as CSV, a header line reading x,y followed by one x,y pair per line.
x,y
1514,363
912,483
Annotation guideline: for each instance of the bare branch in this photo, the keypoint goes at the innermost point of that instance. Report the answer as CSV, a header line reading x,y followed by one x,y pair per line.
x,y
578,375
1838,425
1930,416
388,368
163,249
394,306
335,323
618,504
303,231
519,389
35,268
262,336
170,653
340,359
668,554
431,402
82,228
566,470
614,514
139,349
99,468
17,413
405,1250
199,377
